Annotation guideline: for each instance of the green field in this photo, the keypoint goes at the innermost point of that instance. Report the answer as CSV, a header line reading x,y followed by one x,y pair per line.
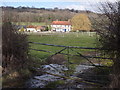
x,y
67,39
30,23
82,39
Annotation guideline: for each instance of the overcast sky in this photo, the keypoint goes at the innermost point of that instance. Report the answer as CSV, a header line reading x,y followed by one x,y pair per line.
x,y
56,0
91,5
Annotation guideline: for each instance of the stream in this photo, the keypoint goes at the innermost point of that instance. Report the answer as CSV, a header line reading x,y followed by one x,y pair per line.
x,y
41,81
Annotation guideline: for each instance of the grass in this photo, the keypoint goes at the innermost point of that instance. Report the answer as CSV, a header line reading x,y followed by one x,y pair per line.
x,y
16,79
31,23
67,39
54,84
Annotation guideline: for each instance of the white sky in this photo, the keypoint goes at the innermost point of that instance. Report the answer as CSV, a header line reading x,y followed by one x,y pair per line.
x,y
57,0
81,4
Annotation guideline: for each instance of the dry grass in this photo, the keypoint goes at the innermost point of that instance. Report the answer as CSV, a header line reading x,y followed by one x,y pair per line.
x,y
57,59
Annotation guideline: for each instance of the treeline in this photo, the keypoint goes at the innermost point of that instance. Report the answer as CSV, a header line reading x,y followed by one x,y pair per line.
x,y
27,14
21,9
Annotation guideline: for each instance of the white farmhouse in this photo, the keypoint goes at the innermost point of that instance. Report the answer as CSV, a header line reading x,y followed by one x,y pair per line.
x,y
61,26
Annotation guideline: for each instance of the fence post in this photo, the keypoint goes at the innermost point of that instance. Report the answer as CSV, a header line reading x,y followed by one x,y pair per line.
x,y
68,58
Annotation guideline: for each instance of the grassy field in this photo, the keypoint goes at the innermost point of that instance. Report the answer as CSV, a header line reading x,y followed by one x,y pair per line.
x,y
30,23
67,39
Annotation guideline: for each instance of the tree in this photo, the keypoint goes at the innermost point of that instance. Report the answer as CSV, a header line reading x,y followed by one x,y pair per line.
x,y
109,38
46,28
14,48
81,22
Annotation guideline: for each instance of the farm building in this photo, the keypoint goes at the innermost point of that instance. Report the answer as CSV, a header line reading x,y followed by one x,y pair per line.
x,y
61,26
40,28
31,29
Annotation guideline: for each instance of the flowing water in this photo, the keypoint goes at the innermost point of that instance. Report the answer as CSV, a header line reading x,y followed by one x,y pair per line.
x,y
42,80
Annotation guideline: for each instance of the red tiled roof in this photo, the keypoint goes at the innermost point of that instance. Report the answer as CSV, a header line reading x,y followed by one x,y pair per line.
x,y
61,23
31,26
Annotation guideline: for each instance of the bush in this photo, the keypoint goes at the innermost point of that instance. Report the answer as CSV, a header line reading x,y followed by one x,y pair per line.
x,y
14,46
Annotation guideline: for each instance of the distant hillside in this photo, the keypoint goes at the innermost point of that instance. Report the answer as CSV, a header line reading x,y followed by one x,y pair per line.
x,y
26,14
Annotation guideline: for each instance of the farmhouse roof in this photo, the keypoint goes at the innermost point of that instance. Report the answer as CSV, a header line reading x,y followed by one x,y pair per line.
x,y
61,23
31,26
40,27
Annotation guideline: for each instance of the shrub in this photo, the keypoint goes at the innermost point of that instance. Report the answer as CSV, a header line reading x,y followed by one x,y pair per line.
x,y
14,47
109,38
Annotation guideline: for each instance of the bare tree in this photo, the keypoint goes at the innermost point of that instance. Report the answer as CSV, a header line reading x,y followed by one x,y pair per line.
x,y
109,32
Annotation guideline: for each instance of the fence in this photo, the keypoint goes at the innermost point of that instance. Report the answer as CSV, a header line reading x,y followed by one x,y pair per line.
x,y
72,48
